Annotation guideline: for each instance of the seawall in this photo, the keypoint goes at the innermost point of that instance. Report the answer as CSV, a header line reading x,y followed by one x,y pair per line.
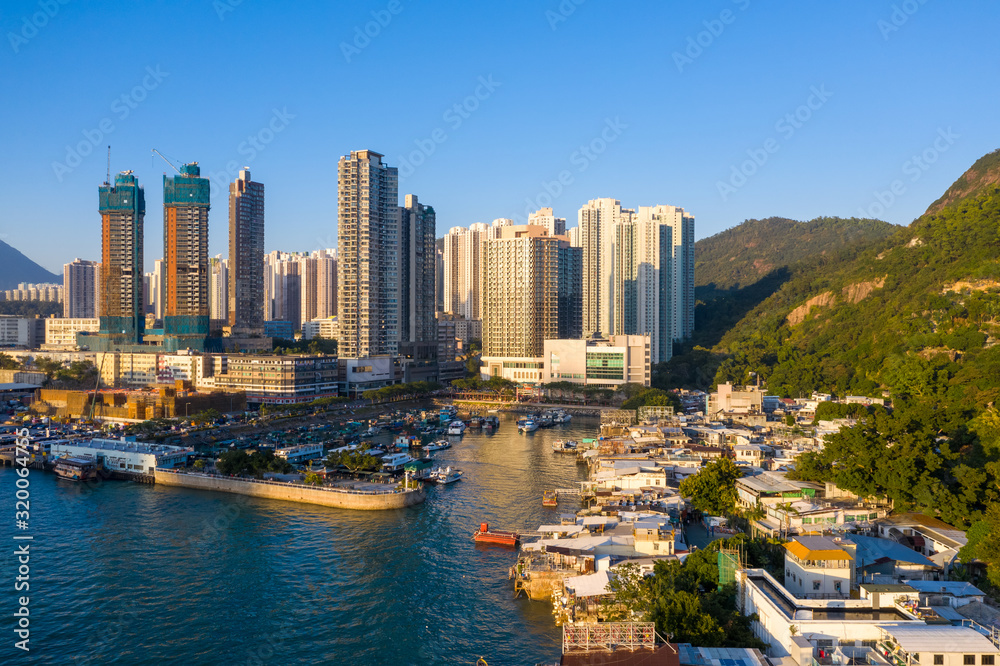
x,y
341,499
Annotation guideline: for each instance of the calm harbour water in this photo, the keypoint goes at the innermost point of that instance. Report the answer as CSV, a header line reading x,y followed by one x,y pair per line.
x,y
133,573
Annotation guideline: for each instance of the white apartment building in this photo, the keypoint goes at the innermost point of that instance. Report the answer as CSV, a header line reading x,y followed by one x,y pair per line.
x,y
26,332
81,285
320,328
638,272
218,288
543,217
60,332
463,266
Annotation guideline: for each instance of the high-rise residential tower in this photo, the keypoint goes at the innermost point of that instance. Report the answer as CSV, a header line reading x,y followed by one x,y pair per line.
x,y
367,255
417,268
597,221
543,217
81,293
246,256
218,291
521,299
638,273
122,207
185,244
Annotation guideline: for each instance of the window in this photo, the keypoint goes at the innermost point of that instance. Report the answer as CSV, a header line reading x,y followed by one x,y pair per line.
x,y
986,660
938,659
970,660
815,584
836,585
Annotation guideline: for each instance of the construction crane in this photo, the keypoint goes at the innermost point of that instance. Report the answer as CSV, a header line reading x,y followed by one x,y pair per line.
x,y
107,181
166,160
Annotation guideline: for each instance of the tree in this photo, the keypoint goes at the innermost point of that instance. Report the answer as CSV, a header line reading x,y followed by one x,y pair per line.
x,y
713,489
984,544
789,419
630,597
313,479
356,460
199,464
8,362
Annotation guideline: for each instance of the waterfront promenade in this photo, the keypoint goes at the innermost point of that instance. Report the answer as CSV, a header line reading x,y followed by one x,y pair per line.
x,y
366,498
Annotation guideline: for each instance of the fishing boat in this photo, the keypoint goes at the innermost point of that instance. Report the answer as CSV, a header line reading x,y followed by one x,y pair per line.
x,y
446,475
545,421
407,442
475,423
456,427
438,445
564,446
485,535
491,422
76,469
527,425
550,498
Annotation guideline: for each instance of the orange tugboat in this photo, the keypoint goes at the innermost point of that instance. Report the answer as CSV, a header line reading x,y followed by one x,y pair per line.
x,y
485,535
550,498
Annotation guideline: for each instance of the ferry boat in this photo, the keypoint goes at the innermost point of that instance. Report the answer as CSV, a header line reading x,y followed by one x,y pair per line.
x,y
527,425
76,469
456,428
485,535
395,462
438,445
563,446
446,475
550,498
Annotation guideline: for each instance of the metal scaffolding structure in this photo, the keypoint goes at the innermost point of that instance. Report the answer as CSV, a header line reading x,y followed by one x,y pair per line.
x,y
609,636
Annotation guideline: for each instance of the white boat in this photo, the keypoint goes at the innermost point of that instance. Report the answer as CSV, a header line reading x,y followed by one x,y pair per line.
x,y
527,425
438,445
446,475
456,428
561,446
394,462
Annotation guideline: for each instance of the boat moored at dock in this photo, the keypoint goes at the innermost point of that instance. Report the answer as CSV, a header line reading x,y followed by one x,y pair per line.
x,y
76,469
499,537
446,475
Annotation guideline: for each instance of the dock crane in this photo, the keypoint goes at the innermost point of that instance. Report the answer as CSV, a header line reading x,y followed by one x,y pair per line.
x,y
166,160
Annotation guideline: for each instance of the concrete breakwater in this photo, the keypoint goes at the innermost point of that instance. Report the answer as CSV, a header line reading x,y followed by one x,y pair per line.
x,y
482,406
340,498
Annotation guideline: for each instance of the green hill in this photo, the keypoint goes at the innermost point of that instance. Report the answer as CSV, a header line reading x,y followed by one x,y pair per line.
x,y
16,268
745,254
915,318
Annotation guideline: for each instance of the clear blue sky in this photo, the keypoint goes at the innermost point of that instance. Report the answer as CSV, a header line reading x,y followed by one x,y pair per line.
x,y
673,129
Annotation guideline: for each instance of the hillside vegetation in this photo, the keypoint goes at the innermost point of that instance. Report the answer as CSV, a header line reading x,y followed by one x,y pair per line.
x,y
916,318
747,253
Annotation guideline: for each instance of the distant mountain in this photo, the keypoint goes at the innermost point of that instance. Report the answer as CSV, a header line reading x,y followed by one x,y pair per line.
x,y
983,176
741,256
16,268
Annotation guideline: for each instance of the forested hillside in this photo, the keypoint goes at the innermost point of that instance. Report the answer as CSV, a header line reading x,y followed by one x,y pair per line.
x,y
745,254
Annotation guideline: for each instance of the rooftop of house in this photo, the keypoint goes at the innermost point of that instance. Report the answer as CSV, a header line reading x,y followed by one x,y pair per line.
x,y
873,550
951,536
940,639
816,548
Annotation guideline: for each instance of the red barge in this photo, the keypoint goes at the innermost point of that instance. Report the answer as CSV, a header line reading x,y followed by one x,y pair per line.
x,y
485,535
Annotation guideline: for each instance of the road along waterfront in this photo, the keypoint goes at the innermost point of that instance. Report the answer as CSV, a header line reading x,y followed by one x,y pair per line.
x,y
132,573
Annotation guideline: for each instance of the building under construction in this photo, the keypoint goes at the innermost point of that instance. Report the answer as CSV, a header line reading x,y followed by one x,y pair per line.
x,y
185,244
122,320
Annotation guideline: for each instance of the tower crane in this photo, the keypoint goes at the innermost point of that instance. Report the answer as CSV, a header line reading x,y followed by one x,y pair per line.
x,y
166,160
